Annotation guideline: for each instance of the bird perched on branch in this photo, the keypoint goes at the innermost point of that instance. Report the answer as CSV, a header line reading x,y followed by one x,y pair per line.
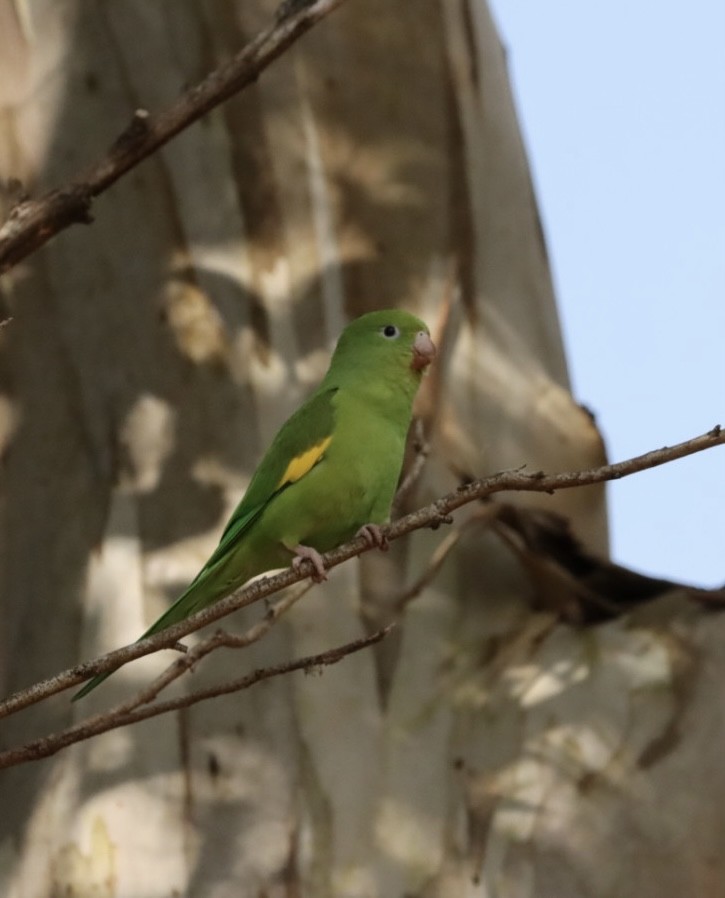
x,y
331,471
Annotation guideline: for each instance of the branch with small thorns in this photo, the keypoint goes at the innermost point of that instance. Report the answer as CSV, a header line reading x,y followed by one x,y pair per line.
x,y
144,704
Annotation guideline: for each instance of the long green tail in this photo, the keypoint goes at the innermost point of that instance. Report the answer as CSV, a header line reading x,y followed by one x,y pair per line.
x,y
231,565
202,591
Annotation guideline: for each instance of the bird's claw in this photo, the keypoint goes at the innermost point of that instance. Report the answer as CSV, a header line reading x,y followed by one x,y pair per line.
x,y
374,536
307,553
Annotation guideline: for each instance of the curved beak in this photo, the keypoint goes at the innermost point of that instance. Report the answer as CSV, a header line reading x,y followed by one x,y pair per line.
x,y
424,351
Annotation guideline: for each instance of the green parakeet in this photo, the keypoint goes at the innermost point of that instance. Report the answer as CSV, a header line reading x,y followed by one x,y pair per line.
x,y
331,471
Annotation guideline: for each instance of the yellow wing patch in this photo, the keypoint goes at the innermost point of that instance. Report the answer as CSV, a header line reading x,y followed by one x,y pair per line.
x,y
301,464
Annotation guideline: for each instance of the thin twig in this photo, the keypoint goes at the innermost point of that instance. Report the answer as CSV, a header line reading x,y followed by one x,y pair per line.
x,y
421,448
486,515
219,639
118,717
32,222
431,516
130,712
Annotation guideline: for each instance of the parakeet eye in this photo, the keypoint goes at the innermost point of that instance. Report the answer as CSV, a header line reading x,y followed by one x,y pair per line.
x,y
390,331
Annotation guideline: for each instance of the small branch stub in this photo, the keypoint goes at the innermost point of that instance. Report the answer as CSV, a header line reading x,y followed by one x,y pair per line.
x,y
136,132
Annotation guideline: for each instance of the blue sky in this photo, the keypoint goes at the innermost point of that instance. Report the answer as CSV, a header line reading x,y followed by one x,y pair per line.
x,y
622,106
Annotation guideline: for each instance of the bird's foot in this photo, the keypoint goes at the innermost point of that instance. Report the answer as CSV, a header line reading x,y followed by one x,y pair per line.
x,y
307,553
374,536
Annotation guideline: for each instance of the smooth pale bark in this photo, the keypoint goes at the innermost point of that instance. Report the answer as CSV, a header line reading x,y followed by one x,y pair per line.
x,y
482,750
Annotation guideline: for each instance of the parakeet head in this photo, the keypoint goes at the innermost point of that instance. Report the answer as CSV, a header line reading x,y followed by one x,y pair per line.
x,y
390,341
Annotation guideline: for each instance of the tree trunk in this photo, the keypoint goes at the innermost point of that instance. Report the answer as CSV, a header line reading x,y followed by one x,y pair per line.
x,y
484,748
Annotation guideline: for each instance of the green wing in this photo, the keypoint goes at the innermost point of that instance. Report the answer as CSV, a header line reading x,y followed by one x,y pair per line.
x,y
297,448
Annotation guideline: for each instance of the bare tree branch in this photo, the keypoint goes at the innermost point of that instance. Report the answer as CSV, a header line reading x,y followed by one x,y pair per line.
x,y
483,515
219,639
32,222
431,516
127,713
421,448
